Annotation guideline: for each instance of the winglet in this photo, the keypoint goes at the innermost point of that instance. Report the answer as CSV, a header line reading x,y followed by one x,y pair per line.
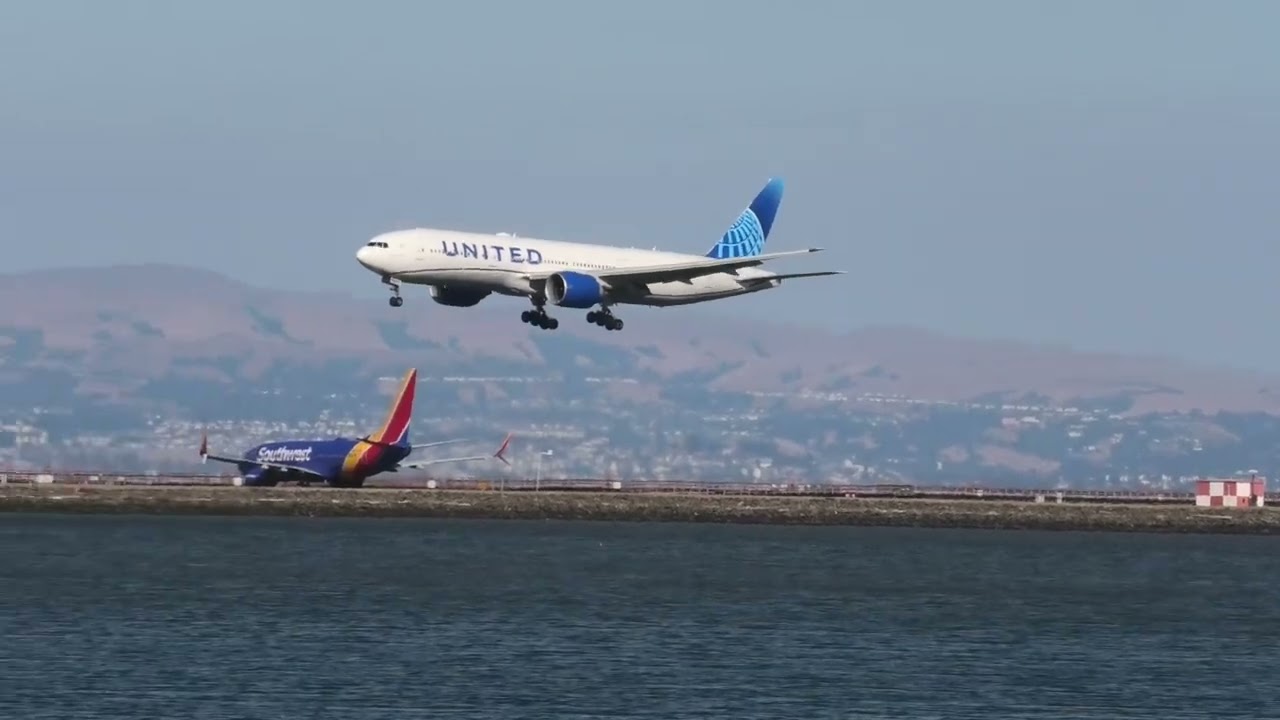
x,y
502,449
204,446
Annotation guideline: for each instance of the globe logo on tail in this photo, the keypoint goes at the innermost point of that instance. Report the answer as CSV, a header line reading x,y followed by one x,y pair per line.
x,y
744,239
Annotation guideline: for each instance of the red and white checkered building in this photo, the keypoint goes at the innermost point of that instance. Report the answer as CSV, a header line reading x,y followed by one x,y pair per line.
x,y
1231,493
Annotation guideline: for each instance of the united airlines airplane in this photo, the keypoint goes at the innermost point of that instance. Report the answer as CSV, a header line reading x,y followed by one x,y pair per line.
x,y
463,268
343,462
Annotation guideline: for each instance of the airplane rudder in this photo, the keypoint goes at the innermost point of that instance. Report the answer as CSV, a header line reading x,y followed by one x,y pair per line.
x,y
410,390
403,398
765,205
401,414
399,410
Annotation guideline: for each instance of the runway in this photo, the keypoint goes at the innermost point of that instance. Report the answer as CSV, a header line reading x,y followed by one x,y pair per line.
x,y
650,506
816,489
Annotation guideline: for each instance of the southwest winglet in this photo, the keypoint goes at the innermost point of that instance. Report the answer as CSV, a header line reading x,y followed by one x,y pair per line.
x,y
204,446
502,449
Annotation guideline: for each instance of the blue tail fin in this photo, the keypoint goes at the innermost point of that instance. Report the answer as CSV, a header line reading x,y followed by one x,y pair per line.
x,y
747,235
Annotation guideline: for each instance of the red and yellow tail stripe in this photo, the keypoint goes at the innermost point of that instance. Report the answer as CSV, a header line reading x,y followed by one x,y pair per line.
x,y
393,429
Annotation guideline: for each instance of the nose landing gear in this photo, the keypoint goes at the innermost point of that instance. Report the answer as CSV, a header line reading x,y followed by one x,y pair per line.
x,y
395,300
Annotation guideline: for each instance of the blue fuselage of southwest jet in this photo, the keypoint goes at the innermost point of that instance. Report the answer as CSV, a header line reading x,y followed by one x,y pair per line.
x,y
341,460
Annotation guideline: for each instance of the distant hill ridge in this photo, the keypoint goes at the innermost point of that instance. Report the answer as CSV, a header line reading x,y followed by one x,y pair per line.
x,y
115,329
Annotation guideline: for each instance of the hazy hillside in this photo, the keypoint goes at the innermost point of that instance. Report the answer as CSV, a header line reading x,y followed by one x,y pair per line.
x,y
126,367
115,333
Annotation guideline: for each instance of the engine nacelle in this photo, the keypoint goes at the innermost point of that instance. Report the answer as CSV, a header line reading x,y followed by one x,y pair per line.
x,y
575,290
457,296
259,477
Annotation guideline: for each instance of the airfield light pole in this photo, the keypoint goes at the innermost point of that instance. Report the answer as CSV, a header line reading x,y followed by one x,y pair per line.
x,y
537,478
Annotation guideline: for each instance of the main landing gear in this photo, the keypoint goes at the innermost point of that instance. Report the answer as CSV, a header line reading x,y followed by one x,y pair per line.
x,y
605,319
539,318
395,299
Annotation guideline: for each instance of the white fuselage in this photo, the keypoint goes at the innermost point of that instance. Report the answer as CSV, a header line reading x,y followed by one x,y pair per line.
x,y
500,263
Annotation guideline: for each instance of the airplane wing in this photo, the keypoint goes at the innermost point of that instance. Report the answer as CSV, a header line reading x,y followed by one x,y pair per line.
x,y
792,276
684,271
770,279
500,454
416,464
205,456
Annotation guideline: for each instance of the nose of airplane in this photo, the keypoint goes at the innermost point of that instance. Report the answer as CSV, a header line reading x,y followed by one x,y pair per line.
x,y
364,256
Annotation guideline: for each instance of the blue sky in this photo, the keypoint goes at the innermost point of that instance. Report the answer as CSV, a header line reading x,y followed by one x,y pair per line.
x,y
1099,174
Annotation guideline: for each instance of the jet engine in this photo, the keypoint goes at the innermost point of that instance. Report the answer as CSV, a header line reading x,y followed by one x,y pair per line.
x,y
575,290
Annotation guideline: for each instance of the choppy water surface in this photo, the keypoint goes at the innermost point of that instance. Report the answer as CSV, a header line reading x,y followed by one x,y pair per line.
x,y
115,617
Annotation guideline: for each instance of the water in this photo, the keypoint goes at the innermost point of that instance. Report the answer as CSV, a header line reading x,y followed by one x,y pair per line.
x,y
114,617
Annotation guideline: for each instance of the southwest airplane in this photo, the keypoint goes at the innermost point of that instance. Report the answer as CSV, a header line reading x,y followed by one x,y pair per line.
x,y
463,268
343,462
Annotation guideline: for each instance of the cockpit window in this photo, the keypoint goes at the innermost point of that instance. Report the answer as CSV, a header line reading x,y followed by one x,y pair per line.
x,y
373,243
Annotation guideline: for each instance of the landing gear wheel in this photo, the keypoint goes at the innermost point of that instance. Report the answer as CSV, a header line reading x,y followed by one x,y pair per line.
x,y
604,319
395,301
539,318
